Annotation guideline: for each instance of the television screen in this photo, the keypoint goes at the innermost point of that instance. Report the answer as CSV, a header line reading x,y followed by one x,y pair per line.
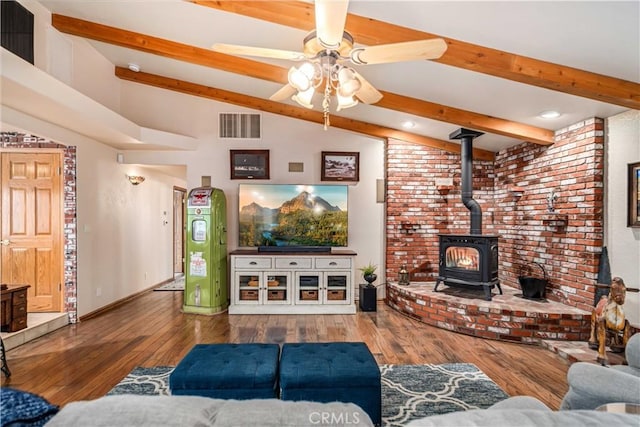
x,y
292,215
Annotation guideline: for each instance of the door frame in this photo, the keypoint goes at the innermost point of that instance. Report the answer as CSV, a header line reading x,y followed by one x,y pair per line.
x,y
60,152
179,236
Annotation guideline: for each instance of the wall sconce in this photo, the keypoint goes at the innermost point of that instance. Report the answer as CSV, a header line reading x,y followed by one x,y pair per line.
x,y
135,179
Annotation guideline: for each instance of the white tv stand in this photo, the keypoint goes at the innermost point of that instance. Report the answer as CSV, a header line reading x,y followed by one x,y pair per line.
x,y
292,282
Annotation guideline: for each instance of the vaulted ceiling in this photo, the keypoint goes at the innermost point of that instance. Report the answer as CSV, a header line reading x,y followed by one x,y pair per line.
x,y
505,63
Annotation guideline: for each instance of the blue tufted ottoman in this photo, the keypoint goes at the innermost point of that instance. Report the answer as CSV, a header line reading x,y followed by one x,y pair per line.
x,y
328,372
228,371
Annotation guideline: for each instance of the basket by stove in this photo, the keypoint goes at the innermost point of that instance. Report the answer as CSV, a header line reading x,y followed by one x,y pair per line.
x,y
534,287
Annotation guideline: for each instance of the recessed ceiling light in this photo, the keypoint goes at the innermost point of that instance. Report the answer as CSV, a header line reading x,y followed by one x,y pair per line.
x,y
408,124
134,67
550,114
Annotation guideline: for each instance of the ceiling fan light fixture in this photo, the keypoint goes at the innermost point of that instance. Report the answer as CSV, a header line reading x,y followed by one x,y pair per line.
x,y
345,102
301,78
304,97
348,83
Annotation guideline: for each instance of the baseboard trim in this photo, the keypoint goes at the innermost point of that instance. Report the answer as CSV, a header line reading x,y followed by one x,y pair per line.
x,y
121,301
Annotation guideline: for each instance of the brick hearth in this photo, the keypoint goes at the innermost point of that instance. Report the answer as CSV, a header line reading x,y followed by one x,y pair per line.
x,y
507,317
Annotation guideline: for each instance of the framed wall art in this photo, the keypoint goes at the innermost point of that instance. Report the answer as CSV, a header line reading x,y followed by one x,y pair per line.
x,y
634,195
340,166
249,164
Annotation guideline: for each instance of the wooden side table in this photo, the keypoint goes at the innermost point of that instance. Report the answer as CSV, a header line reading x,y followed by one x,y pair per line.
x,y
14,308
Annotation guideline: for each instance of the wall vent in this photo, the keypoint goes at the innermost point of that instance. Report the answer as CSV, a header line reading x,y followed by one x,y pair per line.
x,y
239,126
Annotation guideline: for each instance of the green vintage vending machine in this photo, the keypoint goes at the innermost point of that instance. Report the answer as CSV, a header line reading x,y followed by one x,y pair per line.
x,y
205,289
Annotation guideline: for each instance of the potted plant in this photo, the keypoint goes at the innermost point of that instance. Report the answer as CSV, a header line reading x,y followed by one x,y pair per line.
x,y
369,273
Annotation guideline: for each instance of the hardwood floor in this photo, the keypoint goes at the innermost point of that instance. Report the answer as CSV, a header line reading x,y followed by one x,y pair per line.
x,y
85,360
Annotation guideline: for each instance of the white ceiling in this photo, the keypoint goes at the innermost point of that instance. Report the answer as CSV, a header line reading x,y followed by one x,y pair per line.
x,y
601,37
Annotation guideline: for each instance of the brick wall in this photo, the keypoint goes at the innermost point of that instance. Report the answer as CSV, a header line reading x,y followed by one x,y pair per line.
x,y
24,141
567,242
568,251
417,211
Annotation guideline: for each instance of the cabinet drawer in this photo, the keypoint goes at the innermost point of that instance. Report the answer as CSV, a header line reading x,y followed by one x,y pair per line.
x,y
18,324
254,262
328,263
19,297
19,310
293,263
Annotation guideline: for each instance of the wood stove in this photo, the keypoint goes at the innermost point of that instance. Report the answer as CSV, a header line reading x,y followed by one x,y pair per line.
x,y
472,259
469,260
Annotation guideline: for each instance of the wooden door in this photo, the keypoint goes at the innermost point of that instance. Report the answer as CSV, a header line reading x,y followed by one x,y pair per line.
x,y
179,197
31,231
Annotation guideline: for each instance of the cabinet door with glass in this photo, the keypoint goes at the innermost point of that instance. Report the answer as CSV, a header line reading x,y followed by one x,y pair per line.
x,y
308,287
277,289
248,287
336,287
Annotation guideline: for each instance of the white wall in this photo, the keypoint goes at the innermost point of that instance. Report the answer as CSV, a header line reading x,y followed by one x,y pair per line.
x,y
123,245
288,140
623,243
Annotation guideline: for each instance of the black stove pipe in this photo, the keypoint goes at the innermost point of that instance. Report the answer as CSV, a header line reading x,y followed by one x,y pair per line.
x,y
466,136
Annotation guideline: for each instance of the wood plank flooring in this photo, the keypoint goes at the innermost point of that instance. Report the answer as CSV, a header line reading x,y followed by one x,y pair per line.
x,y
85,360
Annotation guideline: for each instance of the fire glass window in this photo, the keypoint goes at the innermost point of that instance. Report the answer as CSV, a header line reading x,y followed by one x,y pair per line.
x,y
465,258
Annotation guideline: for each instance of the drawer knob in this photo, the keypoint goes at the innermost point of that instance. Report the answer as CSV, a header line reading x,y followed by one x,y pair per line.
x,y
293,263
333,263
253,263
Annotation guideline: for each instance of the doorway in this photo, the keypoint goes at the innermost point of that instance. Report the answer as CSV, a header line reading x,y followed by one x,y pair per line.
x,y
31,233
179,200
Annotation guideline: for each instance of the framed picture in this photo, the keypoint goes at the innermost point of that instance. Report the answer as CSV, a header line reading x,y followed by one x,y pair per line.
x,y
634,195
340,166
249,164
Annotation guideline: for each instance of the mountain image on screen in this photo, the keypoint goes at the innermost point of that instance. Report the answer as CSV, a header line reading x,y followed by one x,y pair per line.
x,y
305,220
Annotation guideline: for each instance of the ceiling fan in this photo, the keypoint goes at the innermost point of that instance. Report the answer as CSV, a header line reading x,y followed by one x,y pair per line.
x,y
325,51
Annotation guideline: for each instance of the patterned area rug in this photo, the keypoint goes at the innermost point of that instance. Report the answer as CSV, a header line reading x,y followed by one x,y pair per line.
x,y
408,391
416,391
176,285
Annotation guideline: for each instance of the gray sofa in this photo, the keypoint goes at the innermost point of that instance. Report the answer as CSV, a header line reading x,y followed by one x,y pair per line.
x,y
196,411
592,385
184,411
525,411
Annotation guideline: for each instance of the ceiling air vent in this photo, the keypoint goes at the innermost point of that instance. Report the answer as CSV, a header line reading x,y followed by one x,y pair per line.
x,y
239,126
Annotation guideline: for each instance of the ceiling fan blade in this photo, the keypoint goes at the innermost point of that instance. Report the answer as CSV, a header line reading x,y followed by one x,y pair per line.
x,y
285,92
398,52
367,93
331,16
262,52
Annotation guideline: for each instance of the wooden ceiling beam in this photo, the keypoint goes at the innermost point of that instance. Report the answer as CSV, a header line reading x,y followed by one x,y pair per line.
x,y
459,54
291,111
251,68
167,48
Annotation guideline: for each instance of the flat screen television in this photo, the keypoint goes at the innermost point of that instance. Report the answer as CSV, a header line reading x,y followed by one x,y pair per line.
x,y
292,217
